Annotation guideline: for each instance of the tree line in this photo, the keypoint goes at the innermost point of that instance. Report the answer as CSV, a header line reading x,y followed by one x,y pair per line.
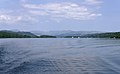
x,y
10,34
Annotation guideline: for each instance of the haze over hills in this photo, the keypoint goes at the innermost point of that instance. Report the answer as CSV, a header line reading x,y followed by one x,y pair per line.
x,y
34,34
64,33
58,34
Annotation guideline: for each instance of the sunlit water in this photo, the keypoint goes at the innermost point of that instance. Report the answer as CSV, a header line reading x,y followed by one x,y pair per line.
x,y
60,56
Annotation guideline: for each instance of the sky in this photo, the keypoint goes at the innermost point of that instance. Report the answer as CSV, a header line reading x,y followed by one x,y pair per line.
x,y
50,15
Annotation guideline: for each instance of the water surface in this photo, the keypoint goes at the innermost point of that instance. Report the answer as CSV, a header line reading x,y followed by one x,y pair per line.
x,y
60,56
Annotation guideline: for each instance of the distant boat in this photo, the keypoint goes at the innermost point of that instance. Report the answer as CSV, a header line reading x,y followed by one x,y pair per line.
x,y
72,37
78,37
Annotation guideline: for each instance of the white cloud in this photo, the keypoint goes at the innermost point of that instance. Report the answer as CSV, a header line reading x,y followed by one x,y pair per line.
x,y
93,2
38,12
62,10
57,11
4,18
13,19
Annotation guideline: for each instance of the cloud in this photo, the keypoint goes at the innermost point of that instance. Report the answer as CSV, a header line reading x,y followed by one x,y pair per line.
x,y
32,12
4,18
14,16
93,2
62,10
24,1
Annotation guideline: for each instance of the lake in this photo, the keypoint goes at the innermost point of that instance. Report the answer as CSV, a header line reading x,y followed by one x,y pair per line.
x,y
60,56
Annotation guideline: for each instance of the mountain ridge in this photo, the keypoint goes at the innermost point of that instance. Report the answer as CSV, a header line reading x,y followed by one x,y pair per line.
x,y
64,33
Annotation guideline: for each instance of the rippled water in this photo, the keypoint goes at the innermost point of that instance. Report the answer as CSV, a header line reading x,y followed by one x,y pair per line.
x,y
60,56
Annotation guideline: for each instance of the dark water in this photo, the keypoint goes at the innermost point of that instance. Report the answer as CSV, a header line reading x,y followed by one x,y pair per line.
x,y
59,56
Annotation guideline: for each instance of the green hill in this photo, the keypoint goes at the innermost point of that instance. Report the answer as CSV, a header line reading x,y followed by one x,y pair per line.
x,y
21,34
11,34
104,35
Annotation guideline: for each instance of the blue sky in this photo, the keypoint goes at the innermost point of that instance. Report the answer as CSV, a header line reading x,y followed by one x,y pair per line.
x,y
47,15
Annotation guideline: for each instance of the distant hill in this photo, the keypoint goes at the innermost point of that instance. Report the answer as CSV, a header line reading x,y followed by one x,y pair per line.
x,y
27,33
11,34
103,35
59,34
77,33
64,33
21,34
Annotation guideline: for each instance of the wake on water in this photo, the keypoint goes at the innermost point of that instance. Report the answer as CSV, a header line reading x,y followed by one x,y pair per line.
x,y
59,56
